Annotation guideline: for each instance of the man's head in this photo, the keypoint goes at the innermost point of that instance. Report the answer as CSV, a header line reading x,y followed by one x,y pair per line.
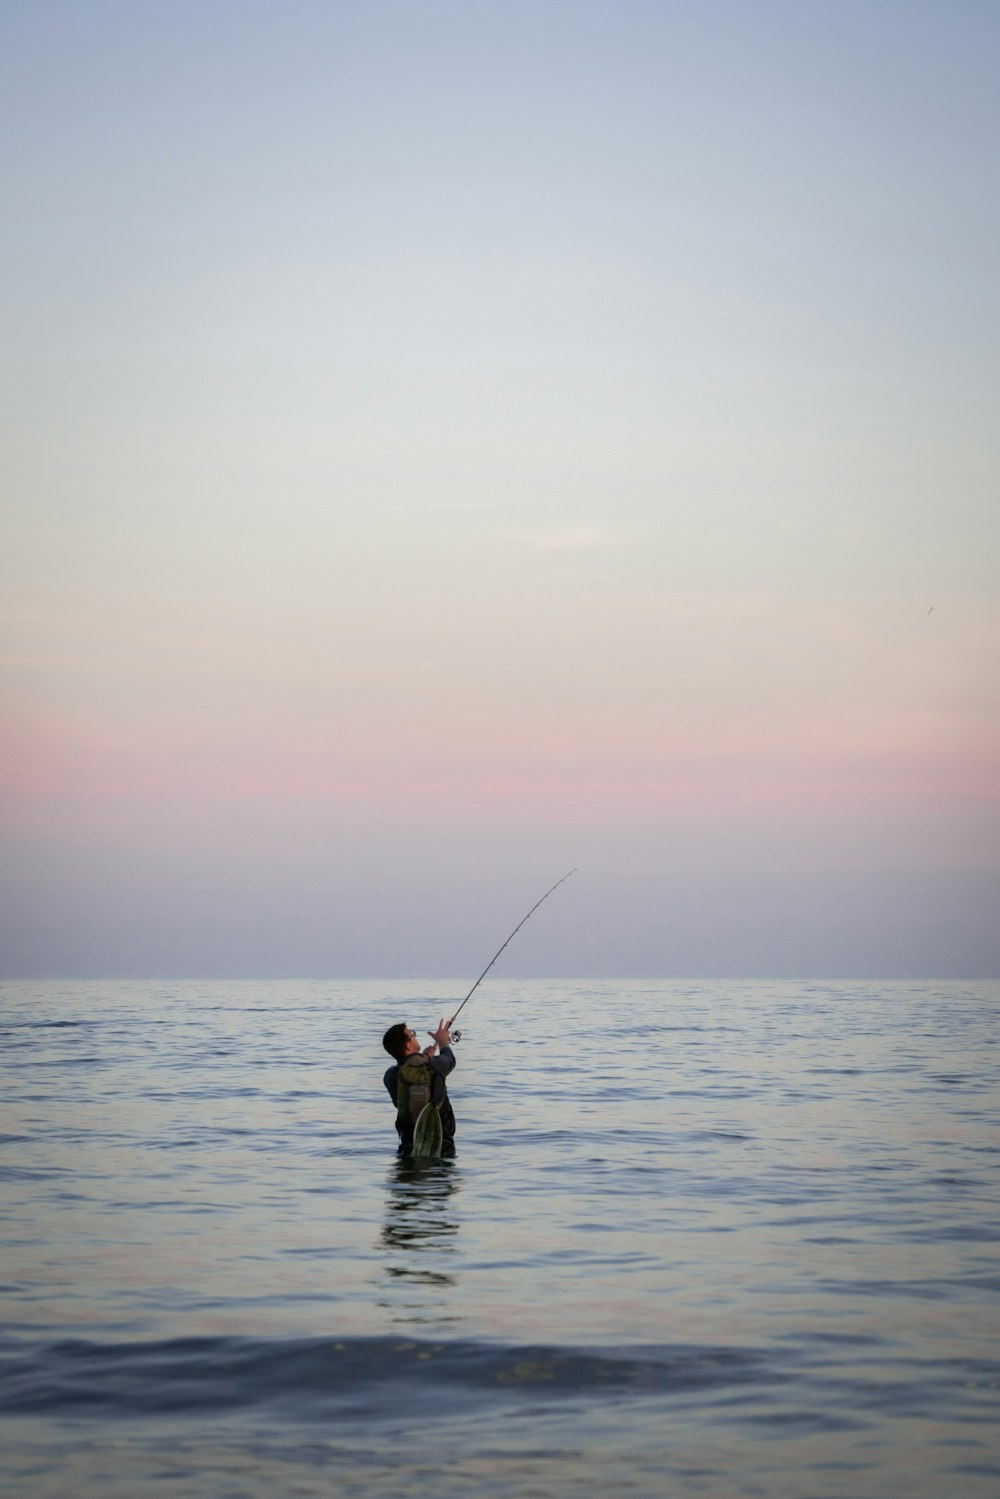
x,y
400,1042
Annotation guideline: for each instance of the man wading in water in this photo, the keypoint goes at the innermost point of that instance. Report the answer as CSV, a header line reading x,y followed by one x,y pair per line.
x,y
417,1078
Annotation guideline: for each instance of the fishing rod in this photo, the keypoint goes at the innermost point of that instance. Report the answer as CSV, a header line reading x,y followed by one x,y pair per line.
x,y
457,1035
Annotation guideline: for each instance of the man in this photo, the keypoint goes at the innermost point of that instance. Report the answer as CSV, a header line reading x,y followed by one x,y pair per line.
x,y
417,1078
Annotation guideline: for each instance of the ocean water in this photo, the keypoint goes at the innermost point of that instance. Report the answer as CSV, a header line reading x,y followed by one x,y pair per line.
x,y
699,1239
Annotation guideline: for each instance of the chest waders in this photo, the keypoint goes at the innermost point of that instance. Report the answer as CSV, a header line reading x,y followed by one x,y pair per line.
x,y
415,1106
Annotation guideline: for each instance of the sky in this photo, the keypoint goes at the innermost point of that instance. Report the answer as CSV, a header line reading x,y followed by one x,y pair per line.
x,y
452,442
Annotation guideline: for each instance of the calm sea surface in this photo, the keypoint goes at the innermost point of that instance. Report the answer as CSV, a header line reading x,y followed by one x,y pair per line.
x,y
699,1239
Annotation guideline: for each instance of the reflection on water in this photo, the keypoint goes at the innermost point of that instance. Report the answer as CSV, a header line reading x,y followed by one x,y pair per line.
x,y
418,1238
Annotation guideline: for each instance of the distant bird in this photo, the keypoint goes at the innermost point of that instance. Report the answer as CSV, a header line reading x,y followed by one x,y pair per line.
x,y
931,609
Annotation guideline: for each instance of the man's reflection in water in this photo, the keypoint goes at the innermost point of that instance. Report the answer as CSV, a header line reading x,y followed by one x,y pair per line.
x,y
419,1239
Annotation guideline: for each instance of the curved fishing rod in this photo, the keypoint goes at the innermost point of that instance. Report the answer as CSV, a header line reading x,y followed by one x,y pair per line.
x,y
458,1034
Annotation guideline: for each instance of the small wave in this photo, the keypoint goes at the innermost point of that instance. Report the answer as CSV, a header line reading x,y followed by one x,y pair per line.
x,y
31,1173
47,1025
350,1377
46,1062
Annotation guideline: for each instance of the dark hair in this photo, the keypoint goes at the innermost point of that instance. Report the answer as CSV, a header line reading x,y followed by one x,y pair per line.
x,y
395,1040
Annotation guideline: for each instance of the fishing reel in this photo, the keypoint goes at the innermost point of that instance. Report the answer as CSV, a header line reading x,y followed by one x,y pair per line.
x,y
456,1035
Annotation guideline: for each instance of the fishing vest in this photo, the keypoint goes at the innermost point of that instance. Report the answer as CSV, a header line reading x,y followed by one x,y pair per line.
x,y
414,1089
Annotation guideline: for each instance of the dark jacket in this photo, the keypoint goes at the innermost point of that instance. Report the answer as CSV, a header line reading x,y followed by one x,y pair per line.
x,y
440,1066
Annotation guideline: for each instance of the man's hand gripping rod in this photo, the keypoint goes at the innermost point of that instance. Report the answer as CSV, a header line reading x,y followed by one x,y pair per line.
x,y
457,1035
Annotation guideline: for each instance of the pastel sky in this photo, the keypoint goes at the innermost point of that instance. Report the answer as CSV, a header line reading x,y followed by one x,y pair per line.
x,y
452,441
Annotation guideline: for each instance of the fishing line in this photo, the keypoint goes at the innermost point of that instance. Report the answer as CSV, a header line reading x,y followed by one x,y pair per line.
x,y
457,1036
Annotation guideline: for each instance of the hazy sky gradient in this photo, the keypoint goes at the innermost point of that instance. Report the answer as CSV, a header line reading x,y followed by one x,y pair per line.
x,y
450,442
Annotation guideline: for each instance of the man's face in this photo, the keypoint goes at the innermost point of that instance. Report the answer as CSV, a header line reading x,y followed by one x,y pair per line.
x,y
412,1044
